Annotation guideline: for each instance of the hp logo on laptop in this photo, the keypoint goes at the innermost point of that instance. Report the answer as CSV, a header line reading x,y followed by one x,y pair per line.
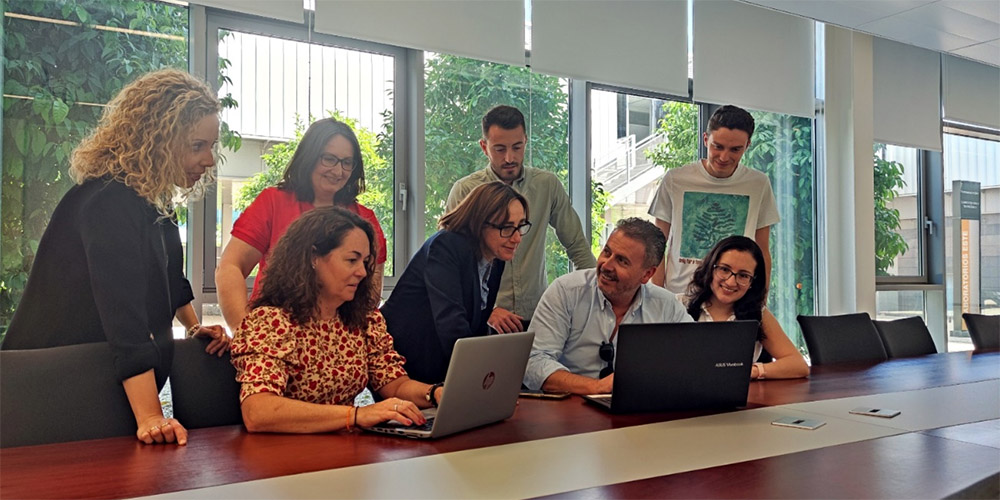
x,y
488,381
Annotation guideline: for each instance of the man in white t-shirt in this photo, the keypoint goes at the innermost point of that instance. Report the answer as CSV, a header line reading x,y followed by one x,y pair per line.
x,y
702,202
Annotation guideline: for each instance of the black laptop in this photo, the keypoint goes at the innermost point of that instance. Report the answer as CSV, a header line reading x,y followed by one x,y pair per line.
x,y
681,366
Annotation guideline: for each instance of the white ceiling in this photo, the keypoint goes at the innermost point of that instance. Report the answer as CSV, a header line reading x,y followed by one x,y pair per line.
x,y
965,28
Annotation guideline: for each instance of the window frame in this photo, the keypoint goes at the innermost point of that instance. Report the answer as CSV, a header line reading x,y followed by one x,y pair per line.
x,y
931,227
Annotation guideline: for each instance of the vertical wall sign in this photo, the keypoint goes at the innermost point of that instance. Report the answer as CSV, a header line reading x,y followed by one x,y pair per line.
x,y
966,209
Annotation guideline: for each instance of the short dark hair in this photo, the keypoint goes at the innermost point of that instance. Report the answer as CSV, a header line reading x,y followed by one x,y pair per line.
x,y
644,231
298,174
488,202
700,288
290,280
505,117
733,118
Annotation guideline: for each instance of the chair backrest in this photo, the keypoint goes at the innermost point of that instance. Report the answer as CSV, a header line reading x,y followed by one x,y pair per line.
x,y
59,394
984,330
905,337
204,388
841,339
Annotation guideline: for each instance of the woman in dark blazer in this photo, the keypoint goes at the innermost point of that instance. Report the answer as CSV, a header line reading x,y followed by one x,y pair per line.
x,y
449,288
109,267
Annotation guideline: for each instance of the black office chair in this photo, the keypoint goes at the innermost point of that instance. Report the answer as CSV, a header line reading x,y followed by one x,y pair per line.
x,y
204,388
984,330
905,337
60,394
841,339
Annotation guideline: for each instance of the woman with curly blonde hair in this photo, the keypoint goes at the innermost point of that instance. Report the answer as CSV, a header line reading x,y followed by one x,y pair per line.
x,y
109,267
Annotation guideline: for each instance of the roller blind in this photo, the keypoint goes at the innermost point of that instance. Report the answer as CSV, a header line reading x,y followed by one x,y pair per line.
x,y
906,95
632,43
491,30
971,92
753,57
285,10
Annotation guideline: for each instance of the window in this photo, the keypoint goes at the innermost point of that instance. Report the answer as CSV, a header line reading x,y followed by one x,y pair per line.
x,y
782,148
899,213
458,92
633,140
899,304
61,66
973,283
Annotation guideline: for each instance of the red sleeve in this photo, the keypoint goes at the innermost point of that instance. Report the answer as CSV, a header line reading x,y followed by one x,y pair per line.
x,y
254,227
380,246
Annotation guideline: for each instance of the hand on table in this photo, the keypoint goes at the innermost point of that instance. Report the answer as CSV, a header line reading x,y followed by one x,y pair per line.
x,y
157,429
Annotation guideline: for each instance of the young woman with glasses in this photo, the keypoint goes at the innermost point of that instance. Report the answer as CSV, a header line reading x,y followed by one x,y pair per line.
x,y
731,284
326,170
450,286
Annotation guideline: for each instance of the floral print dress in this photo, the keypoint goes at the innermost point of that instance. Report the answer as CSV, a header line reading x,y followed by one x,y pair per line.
x,y
321,362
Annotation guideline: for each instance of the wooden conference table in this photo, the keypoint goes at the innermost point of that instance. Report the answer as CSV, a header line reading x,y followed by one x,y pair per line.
x,y
947,437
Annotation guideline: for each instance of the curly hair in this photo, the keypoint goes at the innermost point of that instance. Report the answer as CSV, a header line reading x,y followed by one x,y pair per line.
x,y
298,174
291,282
752,303
141,134
488,202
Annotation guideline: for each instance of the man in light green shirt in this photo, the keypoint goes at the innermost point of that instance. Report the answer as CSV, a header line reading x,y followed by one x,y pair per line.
x,y
524,279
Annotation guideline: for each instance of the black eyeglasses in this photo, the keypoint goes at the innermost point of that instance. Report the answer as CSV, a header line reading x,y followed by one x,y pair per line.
x,y
607,354
330,161
508,230
723,273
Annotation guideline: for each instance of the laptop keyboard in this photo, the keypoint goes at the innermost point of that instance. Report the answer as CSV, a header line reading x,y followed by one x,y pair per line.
x,y
425,427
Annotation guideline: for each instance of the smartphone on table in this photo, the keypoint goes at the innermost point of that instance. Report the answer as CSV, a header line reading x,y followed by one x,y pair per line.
x,y
799,423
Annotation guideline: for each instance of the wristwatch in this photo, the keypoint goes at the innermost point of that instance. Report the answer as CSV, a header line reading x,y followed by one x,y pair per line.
x,y
430,394
760,370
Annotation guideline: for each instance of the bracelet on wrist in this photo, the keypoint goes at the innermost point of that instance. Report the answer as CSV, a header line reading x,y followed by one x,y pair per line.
x,y
193,330
347,418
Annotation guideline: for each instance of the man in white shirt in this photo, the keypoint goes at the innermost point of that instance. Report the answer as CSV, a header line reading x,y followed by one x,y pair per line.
x,y
576,321
702,202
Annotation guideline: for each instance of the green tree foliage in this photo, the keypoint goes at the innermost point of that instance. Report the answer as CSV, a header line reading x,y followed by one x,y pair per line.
x,y
889,244
600,201
59,77
458,93
378,175
680,126
781,147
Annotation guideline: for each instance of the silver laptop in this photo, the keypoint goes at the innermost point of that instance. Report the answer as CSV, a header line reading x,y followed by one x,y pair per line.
x,y
681,366
481,387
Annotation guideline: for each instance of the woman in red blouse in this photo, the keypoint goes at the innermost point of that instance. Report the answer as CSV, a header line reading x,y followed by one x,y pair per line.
x,y
326,170
313,339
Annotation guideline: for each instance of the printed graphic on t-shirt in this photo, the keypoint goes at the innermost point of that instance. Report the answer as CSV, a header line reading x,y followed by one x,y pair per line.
x,y
708,218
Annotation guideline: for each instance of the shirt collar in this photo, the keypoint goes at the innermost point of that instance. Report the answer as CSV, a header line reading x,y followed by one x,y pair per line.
x,y
493,175
603,302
